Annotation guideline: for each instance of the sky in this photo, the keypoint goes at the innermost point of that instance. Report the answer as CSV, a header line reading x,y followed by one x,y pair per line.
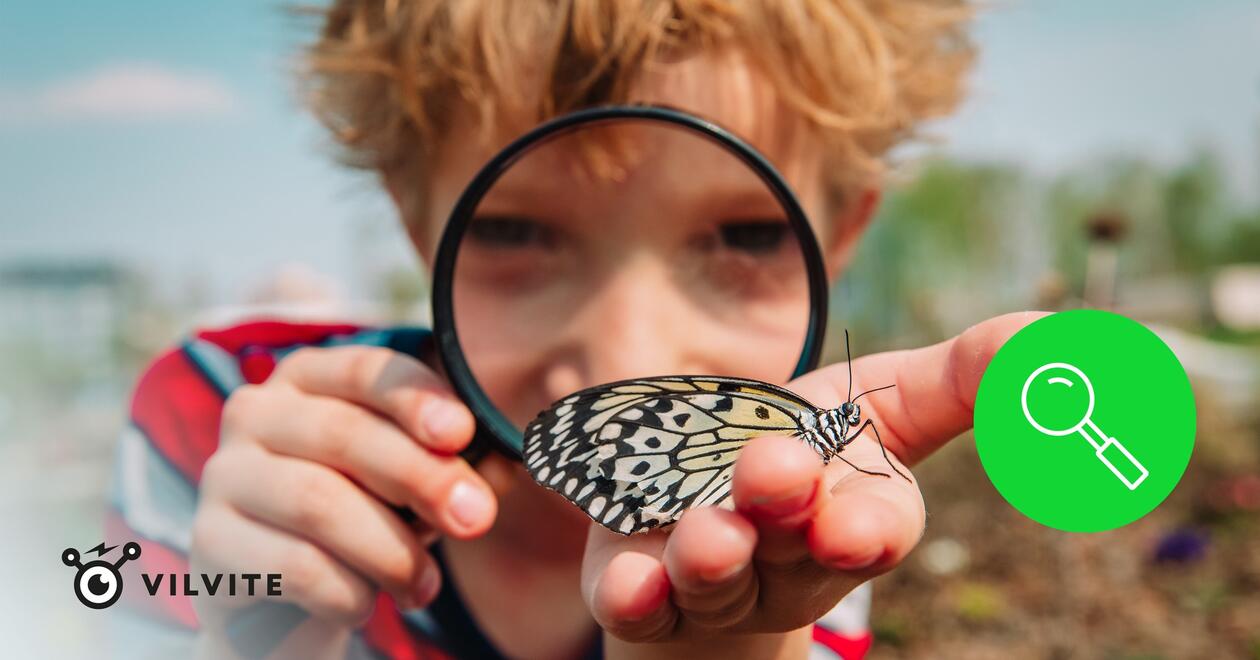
x,y
166,136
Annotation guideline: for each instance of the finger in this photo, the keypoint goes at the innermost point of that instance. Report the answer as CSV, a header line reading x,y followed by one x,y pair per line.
x,y
323,506
225,541
778,485
869,523
708,558
443,489
393,384
626,586
935,391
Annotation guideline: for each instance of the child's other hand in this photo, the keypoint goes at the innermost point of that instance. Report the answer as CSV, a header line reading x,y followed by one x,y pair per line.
x,y
308,465
803,535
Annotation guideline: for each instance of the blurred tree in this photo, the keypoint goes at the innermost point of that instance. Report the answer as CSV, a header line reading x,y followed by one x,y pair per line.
x,y
1242,240
936,238
1195,211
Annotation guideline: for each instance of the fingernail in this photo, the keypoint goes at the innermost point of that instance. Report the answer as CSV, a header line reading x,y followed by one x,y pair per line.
x,y
469,505
787,505
428,586
714,577
441,418
854,563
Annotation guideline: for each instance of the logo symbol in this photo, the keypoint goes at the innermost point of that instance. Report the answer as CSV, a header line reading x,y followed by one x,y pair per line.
x,y
98,583
1105,447
1036,402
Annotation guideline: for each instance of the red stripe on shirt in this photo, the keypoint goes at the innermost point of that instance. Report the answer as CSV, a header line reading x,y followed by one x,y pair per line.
x,y
849,648
178,410
274,334
387,633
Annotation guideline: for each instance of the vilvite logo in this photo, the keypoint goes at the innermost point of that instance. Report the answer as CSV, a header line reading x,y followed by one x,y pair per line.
x,y
99,583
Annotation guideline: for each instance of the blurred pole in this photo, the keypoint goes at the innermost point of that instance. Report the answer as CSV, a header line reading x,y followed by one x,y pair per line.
x,y
1051,292
1104,231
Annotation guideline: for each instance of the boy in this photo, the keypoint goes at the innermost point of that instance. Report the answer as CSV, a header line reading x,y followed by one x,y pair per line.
x,y
295,440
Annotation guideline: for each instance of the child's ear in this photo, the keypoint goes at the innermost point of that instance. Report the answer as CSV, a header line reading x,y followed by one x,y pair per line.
x,y
847,225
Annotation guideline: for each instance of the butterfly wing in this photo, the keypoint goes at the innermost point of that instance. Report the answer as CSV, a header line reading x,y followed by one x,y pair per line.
x,y
635,454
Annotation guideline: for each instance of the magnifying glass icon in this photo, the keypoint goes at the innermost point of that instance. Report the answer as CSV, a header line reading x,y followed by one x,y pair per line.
x,y
1107,449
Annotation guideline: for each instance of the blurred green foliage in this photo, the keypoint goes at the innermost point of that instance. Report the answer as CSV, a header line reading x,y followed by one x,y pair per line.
x,y
959,241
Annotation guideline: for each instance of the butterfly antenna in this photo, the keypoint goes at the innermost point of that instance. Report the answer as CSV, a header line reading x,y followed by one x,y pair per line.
x,y
849,358
872,390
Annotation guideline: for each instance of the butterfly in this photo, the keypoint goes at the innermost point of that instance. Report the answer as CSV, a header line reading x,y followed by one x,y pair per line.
x,y
635,454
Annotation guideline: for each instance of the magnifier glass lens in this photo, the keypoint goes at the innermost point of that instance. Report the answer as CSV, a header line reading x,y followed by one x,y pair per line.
x,y
1058,399
624,249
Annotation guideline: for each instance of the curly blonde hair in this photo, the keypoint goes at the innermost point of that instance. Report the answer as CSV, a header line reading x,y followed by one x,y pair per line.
x,y
388,76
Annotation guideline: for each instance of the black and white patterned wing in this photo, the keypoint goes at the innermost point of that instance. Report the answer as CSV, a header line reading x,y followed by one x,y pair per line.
x,y
635,454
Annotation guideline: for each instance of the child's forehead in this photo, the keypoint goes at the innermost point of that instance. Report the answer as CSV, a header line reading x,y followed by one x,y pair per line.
x,y
636,167
629,152
725,87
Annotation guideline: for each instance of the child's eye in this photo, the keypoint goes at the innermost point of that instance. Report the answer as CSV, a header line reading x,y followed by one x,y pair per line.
x,y
508,232
755,236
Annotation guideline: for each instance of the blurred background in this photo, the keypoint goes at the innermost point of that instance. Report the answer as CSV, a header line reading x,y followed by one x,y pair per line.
x,y
157,175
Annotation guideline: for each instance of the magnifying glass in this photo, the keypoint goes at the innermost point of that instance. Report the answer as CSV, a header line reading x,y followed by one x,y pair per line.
x,y
621,242
1067,387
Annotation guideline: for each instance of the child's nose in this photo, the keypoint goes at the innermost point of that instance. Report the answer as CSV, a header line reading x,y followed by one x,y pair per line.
x,y
635,326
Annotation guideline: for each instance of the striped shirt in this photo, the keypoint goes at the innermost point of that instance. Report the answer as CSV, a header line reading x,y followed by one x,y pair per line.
x,y
174,428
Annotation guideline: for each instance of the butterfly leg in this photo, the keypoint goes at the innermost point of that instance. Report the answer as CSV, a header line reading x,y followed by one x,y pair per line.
x,y
871,423
863,471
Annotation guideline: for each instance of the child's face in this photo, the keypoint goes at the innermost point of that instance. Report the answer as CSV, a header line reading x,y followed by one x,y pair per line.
x,y
678,259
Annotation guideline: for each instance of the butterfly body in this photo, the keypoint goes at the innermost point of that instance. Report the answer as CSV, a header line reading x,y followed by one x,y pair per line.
x,y
825,431
635,454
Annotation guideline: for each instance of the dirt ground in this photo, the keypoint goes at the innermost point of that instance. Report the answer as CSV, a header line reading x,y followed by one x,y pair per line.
x,y
986,582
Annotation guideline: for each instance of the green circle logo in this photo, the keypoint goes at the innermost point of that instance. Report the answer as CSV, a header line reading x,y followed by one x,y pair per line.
x,y
1085,421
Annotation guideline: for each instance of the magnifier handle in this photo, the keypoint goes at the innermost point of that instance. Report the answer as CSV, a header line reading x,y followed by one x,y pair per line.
x,y
1111,450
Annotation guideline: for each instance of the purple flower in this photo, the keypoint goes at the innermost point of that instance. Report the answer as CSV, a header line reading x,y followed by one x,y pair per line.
x,y
1182,546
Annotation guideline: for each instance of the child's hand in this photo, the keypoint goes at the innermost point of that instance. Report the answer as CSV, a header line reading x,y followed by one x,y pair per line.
x,y
307,467
803,535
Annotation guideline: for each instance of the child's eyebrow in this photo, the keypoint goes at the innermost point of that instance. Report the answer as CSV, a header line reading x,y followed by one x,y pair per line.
x,y
740,198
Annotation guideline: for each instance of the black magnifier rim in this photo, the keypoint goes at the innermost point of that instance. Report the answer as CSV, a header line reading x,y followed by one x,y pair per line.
x,y
510,439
